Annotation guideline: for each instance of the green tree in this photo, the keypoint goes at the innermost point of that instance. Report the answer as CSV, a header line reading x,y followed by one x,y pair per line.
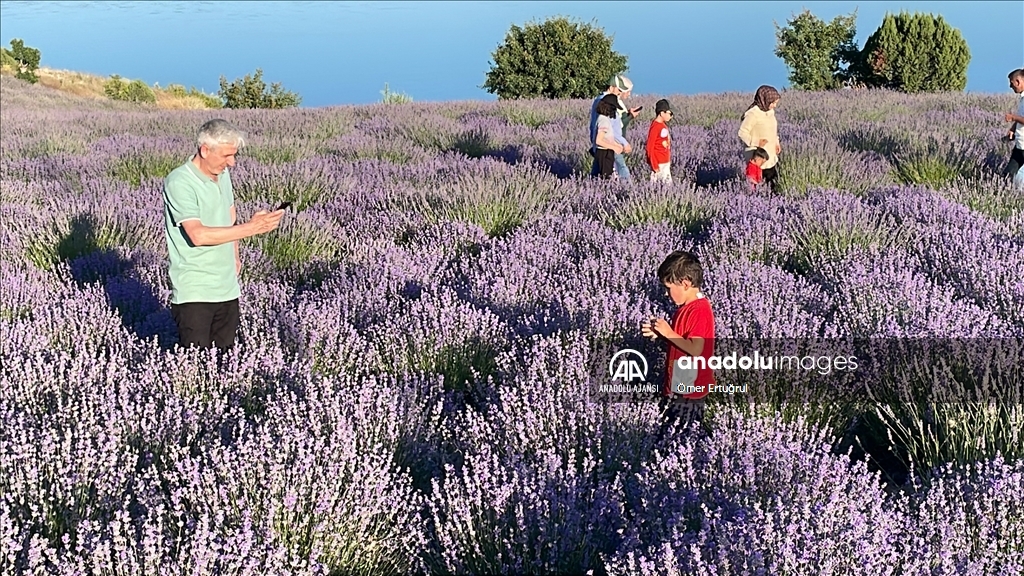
x,y
116,88
558,58
914,53
26,61
251,92
818,54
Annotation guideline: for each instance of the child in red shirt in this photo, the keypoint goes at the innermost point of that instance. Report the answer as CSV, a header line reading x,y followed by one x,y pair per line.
x,y
759,157
659,142
691,333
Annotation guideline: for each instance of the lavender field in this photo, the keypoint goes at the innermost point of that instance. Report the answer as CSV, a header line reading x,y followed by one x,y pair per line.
x,y
413,390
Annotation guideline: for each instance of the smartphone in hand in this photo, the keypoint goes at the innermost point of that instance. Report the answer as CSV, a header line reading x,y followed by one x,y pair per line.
x,y
283,206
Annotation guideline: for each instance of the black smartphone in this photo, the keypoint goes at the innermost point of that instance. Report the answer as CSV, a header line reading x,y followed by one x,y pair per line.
x,y
639,108
283,206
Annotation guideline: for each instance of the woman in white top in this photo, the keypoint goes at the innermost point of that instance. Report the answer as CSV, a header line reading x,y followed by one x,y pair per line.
x,y
760,130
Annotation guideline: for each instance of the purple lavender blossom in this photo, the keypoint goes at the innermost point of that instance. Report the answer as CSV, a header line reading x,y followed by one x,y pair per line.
x,y
413,385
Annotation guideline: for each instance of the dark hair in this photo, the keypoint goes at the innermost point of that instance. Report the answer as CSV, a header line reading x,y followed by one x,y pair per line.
x,y
679,266
608,106
1019,72
605,109
759,153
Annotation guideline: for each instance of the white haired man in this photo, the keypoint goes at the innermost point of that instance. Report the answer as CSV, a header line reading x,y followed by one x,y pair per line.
x,y
621,87
202,239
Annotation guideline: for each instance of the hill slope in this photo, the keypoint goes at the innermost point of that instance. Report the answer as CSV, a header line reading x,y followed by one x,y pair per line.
x,y
91,86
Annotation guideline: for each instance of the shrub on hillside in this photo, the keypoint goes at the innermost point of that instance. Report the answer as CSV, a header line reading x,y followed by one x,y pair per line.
x,y
179,91
910,53
554,59
117,88
7,62
389,97
24,60
914,53
817,53
251,92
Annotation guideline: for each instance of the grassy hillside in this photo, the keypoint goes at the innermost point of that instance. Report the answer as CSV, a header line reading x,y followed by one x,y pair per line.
x,y
173,97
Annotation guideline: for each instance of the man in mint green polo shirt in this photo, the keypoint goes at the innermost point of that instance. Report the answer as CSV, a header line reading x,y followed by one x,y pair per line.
x,y
202,239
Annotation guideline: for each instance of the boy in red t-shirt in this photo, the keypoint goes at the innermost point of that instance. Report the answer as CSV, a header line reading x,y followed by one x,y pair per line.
x,y
659,143
691,334
758,157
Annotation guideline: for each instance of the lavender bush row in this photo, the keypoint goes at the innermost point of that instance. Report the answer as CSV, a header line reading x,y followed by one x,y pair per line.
x,y
758,497
414,384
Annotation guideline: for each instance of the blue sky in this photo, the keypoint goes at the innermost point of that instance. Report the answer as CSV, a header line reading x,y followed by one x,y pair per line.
x,y
344,52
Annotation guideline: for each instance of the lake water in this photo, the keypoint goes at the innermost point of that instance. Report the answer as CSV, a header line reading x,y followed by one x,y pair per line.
x,y
344,52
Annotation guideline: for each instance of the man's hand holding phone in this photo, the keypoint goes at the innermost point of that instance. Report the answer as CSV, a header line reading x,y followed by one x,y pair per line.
x,y
264,221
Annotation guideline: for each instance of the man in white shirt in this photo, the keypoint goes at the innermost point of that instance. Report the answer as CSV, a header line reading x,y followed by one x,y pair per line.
x,y
1017,128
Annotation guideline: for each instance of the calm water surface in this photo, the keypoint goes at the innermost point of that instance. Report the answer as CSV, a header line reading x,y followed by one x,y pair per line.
x,y
344,52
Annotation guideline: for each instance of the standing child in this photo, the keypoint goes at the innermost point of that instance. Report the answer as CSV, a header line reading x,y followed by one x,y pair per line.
x,y
757,159
659,144
621,171
606,147
692,333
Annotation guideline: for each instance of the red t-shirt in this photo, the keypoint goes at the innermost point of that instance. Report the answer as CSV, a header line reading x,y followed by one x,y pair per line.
x,y
658,145
692,320
754,174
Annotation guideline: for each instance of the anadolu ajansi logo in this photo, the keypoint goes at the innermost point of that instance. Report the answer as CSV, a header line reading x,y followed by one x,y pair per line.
x,y
628,365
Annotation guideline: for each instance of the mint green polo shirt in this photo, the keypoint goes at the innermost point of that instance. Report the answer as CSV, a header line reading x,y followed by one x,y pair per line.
x,y
199,273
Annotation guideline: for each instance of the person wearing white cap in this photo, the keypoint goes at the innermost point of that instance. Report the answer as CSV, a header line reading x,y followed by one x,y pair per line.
x,y
621,87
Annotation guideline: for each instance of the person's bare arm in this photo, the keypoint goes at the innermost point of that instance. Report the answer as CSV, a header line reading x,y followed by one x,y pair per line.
x,y
605,140
660,327
201,235
692,346
238,257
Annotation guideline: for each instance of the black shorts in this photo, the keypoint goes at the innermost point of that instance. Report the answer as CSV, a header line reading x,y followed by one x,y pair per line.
x,y
605,161
207,324
1016,160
